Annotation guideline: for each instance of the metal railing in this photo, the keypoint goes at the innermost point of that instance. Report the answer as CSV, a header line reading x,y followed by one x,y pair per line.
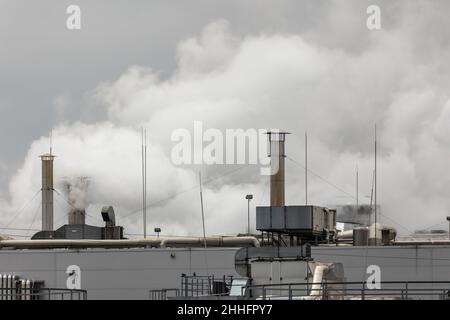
x,y
195,286
42,294
192,286
163,294
388,290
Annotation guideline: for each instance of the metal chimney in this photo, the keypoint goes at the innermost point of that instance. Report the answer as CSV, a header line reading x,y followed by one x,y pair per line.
x,y
77,216
77,189
47,192
277,155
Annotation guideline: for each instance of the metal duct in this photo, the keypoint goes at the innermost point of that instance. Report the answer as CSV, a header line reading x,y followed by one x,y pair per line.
x,y
163,243
109,216
64,243
211,242
349,234
422,243
316,288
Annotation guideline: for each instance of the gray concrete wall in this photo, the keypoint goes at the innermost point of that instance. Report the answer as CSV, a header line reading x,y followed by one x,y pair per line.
x,y
424,263
118,273
130,273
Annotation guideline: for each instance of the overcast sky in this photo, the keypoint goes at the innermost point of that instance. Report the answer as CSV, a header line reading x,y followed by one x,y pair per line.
x,y
299,65
43,62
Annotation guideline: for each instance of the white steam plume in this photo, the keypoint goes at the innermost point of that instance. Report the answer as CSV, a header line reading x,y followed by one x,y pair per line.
x,y
266,81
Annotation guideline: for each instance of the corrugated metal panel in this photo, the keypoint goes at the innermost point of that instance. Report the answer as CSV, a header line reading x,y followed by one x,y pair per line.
x,y
278,218
263,221
294,218
298,217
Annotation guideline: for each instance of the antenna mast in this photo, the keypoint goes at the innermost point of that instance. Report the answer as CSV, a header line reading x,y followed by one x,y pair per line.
x,y
144,179
375,184
371,198
357,190
51,141
201,204
145,184
306,168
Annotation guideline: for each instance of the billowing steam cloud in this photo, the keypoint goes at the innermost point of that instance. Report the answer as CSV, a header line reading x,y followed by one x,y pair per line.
x,y
76,191
398,78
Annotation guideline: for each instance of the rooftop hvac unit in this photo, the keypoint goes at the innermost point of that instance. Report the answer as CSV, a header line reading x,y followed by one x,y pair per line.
x,y
295,219
361,237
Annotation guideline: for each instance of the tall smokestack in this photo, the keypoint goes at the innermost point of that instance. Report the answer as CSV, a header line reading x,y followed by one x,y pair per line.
x,y
277,155
47,192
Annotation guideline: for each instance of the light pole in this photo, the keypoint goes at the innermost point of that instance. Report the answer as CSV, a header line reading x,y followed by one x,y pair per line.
x,y
448,219
157,230
248,197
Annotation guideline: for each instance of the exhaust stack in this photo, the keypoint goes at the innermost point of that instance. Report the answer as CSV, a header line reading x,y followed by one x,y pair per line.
x,y
277,155
77,193
47,192
77,216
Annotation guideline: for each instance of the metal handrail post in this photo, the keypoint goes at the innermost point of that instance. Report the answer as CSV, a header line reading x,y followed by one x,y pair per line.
x,y
363,291
406,286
